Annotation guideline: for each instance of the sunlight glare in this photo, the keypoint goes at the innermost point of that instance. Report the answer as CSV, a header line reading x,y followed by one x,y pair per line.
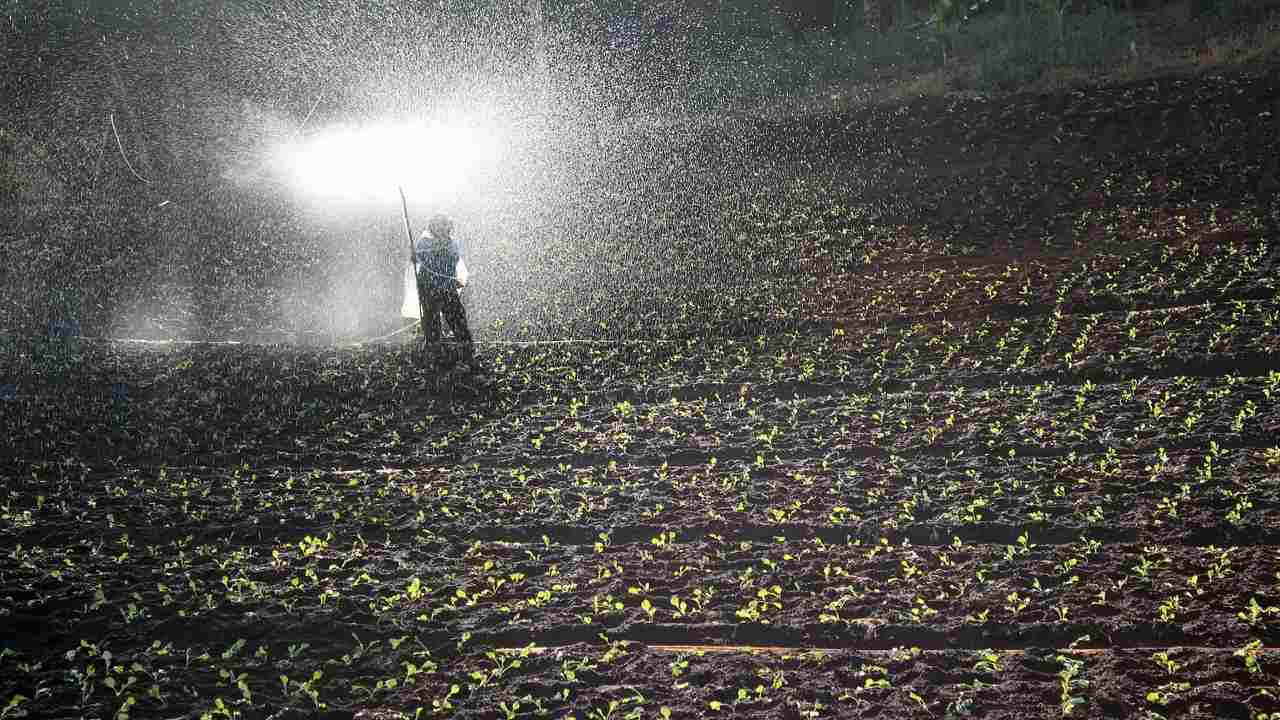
x,y
356,162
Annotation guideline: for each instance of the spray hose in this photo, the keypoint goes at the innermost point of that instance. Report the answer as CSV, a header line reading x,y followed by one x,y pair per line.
x,y
362,341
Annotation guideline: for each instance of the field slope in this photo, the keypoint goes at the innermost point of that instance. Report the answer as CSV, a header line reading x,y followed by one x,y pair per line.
x,y
989,427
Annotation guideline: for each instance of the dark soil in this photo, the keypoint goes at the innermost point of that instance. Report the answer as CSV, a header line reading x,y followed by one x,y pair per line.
x,y
977,415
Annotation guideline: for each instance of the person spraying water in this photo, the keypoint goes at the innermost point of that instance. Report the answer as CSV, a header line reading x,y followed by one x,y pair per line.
x,y
441,276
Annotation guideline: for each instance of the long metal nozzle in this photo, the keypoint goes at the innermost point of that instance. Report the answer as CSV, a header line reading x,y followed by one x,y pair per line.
x,y
404,212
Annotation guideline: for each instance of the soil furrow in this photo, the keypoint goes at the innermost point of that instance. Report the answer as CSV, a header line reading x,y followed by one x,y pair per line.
x,y
728,453
927,536
795,650
869,635
761,389
1010,311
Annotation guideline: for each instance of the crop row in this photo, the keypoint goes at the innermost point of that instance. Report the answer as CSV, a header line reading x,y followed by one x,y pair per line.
x,y
956,290
838,344
1134,415
1158,493
1107,492
555,400
624,679
1138,279
184,515
395,677
1138,342
1135,343
1132,339
124,557
813,592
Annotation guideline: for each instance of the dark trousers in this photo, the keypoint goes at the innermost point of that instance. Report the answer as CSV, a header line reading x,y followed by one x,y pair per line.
x,y
436,302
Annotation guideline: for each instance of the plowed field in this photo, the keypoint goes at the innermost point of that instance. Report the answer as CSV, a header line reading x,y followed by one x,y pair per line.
x,y
988,424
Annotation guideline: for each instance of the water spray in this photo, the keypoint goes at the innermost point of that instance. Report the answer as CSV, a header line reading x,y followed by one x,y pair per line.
x,y
350,163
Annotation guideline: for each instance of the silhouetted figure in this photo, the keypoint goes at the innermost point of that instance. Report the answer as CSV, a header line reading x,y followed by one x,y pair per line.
x,y
441,276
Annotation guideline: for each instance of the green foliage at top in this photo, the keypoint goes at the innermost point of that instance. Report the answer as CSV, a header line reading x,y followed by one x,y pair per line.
x,y
747,48
108,15
1016,48
179,18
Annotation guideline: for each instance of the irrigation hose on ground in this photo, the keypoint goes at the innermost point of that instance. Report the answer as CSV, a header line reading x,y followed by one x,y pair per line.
x,y
364,341
700,648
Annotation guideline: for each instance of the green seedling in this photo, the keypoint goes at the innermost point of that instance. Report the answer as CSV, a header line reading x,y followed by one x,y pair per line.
x,y
1069,682
1166,663
445,704
1255,614
989,661
1167,693
13,708
1251,652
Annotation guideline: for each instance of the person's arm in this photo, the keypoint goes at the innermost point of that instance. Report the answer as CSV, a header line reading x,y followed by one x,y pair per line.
x,y
460,274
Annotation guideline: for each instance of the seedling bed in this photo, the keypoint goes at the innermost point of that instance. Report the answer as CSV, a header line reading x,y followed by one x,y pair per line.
x,y
964,436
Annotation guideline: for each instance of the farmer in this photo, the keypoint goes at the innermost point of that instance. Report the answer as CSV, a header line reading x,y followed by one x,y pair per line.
x,y
441,276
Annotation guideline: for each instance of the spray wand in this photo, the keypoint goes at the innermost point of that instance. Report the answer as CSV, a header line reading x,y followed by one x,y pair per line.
x,y
413,253
404,211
